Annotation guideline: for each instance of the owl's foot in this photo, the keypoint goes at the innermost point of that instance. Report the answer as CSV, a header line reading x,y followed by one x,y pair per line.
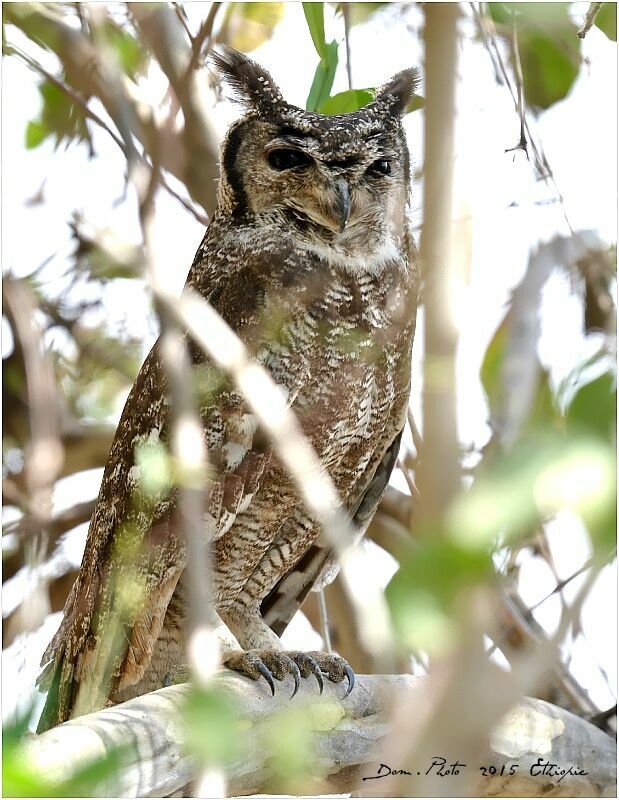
x,y
179,674
277,664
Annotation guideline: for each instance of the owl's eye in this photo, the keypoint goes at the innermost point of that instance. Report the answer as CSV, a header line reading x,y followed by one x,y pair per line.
x,y
380,167
285,158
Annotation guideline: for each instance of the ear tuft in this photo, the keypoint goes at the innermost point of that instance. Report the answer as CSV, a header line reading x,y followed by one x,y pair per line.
x,y
399,91
252,85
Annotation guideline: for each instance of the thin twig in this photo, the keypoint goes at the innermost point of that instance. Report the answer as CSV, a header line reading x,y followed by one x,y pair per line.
x,y
589,20
324,621
522,144
542,166
346,13
412,488
82,103
205,32
484,38
563,583
417,440
182,16
174,93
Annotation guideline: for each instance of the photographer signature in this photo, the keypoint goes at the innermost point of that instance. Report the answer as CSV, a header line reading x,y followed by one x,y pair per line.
x,y
442,769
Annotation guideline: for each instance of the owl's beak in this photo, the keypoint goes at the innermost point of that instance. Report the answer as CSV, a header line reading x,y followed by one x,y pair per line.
x,y
342,192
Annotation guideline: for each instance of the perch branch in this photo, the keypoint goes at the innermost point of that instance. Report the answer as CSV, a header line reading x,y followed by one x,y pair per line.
x,y
149,733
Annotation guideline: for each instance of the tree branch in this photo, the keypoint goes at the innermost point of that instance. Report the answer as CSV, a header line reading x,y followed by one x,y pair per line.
x,y
589,20
148,731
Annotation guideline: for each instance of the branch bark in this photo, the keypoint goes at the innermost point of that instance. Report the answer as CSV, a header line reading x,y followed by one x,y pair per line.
x,y
149,732
438,474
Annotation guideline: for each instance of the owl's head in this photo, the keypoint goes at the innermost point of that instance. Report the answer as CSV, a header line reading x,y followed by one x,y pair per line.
x,y
333,177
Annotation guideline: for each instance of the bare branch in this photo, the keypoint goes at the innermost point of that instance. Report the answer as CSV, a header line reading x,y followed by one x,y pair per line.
x,y
589,20
149,733
164,35
522,143
438,475
91,74
346,13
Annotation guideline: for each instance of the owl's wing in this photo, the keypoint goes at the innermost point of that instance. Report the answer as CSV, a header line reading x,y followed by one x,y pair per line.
x,y
289,593
134,557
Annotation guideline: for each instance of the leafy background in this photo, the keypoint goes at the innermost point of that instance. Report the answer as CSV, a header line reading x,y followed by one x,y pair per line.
x,y
536,240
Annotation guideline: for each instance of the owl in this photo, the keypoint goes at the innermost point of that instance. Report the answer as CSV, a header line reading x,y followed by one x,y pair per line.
x,y
310,259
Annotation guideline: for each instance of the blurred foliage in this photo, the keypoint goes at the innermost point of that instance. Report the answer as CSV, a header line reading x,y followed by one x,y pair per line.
x,y
563,459
21,778
606,20
425,593
129,52
59,117
360,12
246,26
548,45
212,727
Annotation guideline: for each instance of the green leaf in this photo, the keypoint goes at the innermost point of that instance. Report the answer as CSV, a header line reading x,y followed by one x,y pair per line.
x,y
21,778
548,45
606,20
424,594
212,727
594,408
130,54
416,104
532,482
315,18
252,24
491,368
36,133
550,66
345,102
323,79
500,13
361,12
59,116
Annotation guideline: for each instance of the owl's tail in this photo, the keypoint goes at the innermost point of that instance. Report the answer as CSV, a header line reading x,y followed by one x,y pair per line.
x,y
57,679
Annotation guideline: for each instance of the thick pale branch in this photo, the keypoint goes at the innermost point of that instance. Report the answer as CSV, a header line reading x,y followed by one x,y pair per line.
x,y
149,732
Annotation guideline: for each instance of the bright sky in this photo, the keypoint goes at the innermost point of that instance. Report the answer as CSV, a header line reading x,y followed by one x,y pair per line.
x,y
504,210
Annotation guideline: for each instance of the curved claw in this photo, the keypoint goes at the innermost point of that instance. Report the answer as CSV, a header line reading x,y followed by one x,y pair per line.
x,y
317,673
296,674
351,680
266,674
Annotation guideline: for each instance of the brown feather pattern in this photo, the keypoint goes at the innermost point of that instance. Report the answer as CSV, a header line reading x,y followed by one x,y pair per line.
x,y
329,311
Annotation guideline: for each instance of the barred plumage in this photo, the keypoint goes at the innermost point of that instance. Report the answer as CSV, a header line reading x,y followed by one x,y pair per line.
x,y
310,259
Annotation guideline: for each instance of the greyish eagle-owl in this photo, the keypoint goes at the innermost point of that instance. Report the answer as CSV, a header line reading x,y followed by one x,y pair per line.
x,y
309,257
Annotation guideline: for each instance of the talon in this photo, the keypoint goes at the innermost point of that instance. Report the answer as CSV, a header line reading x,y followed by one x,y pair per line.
x,y
296,674
266,674
351,680
167,680
317,673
